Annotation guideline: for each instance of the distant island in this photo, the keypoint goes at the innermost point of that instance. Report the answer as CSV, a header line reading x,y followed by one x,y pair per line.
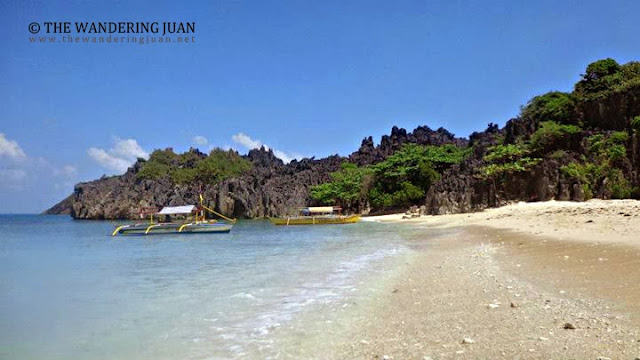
x,y
563,146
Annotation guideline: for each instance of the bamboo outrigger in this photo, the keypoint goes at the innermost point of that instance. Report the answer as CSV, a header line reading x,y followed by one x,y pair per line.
x,y
318,215
198,224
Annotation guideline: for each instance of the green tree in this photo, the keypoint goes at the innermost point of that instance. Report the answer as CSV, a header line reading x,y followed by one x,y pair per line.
x,y
221,165
348,187
553,106
160,164
551,136
193,166
404,177
600,76
600,69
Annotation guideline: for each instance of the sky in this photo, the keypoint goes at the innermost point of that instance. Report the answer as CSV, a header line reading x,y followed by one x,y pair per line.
x,y
305,78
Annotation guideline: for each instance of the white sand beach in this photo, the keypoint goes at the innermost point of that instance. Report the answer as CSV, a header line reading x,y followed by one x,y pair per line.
x,y
552,280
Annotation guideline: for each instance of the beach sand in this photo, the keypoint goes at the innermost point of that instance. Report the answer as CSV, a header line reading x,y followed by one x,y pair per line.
x,y
604,221
550,280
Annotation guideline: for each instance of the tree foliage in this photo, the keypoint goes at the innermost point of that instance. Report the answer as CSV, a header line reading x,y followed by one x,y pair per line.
x,y
402,179
348,186
159,164
506,159
553,106
605,76
194,166
605,153
551,136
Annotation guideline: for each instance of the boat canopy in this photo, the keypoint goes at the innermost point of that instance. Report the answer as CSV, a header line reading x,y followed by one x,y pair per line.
x,y
320,209
170,210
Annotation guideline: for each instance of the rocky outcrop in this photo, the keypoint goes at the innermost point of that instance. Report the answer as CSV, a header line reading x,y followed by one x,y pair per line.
x,y
460,190
61,208
270,188
613,111
369,154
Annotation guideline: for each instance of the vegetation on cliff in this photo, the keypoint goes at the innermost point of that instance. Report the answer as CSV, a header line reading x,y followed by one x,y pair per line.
x,y
604,77
602,164
562,129
348,187
400,180
193,166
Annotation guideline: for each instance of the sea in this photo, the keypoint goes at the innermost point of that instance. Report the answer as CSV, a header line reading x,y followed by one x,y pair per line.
x,y
69,290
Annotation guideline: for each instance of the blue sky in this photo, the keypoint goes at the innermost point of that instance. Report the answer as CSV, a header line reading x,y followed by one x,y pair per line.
x,y
304,77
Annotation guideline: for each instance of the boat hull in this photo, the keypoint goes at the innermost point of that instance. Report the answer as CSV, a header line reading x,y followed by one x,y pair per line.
x,y
173,228
315,220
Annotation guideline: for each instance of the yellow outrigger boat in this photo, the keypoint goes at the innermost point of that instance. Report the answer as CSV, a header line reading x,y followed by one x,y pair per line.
x,y
319,215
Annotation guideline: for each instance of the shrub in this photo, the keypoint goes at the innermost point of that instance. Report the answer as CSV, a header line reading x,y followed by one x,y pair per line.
x,y
520,165
153,170
576,171
553,106
635,123
551,135
506,159
619,186
508,152
607,148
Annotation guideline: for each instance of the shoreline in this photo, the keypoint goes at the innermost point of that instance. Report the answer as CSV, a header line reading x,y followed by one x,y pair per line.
x,y
606,221
509,283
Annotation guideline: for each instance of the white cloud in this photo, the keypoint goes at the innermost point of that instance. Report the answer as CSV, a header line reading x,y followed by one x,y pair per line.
x,y
13,164
31,182
123,154
249,143
108,161
11,149
246,141
286,157
128,149
200,140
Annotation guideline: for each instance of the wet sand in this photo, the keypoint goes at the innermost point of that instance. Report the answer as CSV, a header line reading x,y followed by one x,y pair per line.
x,y
529,282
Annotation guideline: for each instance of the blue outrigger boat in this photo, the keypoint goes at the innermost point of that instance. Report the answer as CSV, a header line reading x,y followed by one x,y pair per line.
x,y
194,223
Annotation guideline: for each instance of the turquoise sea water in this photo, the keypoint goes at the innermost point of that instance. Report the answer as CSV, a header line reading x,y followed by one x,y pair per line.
x,y
68,290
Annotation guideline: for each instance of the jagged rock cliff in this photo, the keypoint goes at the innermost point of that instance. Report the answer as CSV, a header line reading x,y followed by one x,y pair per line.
x,y
270,188
460,190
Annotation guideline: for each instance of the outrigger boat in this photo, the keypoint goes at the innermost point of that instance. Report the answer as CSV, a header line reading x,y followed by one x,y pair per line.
x,y
317,215
195,224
